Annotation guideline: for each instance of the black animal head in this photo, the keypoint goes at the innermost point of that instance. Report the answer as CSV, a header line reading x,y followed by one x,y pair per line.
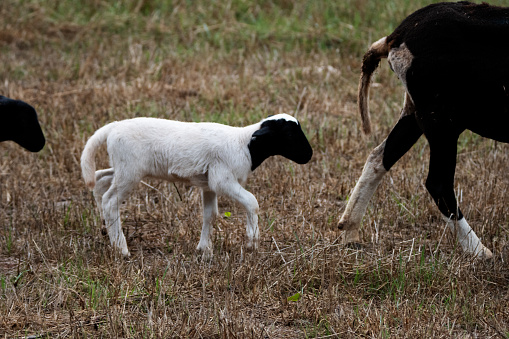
x,y
279,134
18,122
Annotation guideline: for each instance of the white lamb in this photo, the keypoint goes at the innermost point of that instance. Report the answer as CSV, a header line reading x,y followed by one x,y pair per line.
x,y
215,157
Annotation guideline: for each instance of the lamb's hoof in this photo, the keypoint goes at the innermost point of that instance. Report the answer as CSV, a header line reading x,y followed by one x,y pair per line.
x,y
252,246
125,253
342,225
206,251
355,245
207,256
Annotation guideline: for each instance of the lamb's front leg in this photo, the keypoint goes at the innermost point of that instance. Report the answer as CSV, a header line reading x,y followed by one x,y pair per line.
x,y
235,191
209,200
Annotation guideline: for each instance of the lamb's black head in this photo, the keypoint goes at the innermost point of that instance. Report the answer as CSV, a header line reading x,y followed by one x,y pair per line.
x,y
279,134
18,122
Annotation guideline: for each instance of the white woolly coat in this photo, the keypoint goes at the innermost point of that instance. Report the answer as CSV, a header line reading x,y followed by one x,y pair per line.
x,y
171,150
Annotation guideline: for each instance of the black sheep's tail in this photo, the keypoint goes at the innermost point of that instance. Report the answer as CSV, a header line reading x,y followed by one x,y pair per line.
x,y
370,62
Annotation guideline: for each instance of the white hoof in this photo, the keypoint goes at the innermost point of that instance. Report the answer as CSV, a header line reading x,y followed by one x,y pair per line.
x,y
125,252
206,250
484,253
207,256
252,245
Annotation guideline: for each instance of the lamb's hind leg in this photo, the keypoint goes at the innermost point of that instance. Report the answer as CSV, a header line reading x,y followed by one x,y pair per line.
x,y
402,137
209,200
103,179
112,199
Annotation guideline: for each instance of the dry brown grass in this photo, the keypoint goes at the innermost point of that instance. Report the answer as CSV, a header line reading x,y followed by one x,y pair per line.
x,y
59,277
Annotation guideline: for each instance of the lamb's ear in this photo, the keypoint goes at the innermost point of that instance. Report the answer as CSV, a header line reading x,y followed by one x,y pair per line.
x,y
261,133
260,146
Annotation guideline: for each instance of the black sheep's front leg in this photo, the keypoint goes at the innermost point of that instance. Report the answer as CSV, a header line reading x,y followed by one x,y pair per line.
x,y
440,184
402,137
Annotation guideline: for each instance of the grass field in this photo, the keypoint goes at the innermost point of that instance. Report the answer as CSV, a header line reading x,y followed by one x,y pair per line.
x,y
82,64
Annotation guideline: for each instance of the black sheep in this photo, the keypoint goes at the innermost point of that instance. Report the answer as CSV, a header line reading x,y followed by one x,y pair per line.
x,y
19,123
453,59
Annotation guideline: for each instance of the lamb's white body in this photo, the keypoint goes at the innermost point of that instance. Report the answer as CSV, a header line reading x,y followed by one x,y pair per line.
x,y
212,156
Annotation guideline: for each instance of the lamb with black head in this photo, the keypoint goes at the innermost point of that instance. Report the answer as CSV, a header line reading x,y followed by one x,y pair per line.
x,y
218,158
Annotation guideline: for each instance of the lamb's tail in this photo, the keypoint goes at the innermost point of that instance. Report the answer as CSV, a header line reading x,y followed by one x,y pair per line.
x,y
89,152
376,52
